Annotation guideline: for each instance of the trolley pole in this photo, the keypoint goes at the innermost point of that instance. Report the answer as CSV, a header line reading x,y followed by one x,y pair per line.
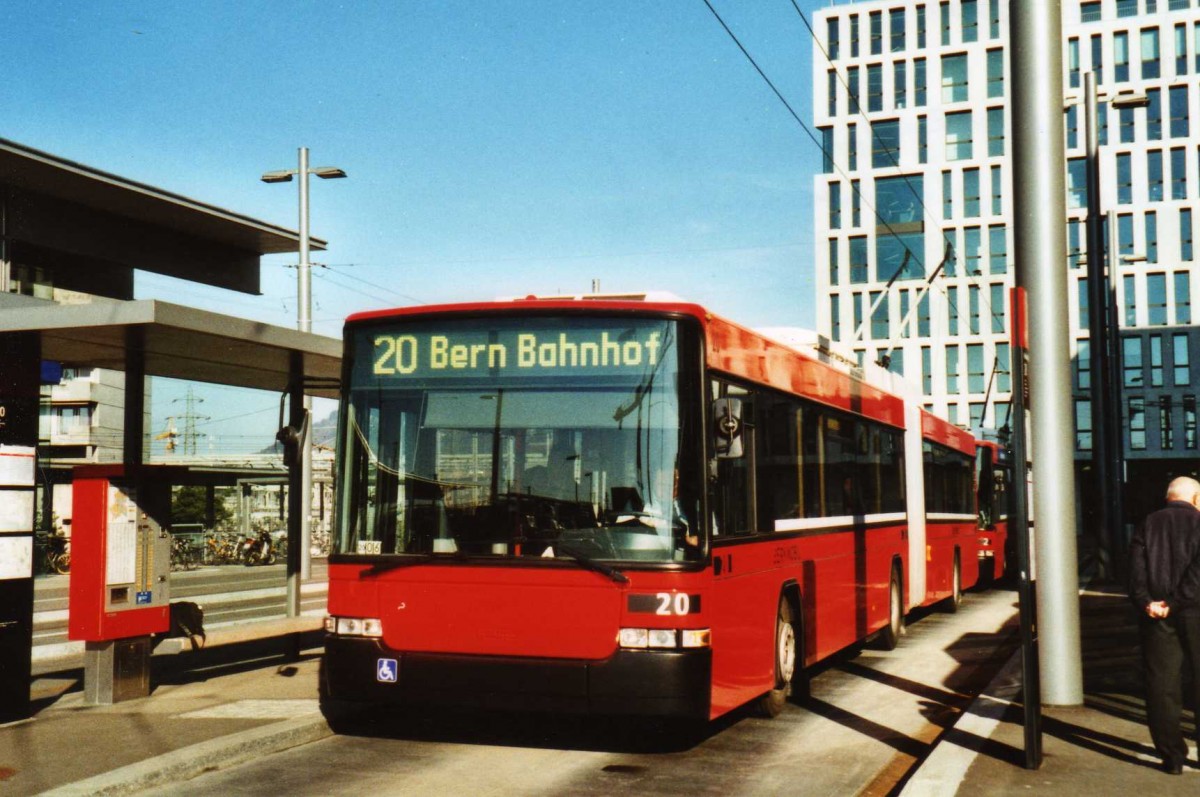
x,y
1040,244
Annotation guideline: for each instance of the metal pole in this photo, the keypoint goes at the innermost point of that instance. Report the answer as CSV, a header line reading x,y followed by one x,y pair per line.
x,y
1114,494
1040,237
295,493
304,308
1097,332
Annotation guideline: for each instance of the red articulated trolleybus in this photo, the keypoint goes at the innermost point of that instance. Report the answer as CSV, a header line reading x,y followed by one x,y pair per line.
x,y
993,476
614,506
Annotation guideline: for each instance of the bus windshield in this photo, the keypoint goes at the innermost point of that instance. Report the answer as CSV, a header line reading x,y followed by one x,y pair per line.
x,y
557,437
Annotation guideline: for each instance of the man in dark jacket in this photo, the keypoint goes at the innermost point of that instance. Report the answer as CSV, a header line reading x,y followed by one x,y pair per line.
x,y
1165,587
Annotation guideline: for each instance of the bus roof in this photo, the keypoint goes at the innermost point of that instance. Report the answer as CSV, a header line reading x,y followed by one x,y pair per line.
x,y
939,430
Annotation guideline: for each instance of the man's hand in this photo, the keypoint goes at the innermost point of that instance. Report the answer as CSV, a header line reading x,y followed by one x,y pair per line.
x,y
1158,610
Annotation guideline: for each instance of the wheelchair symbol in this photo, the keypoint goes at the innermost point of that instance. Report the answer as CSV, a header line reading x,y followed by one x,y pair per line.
x,y
385,671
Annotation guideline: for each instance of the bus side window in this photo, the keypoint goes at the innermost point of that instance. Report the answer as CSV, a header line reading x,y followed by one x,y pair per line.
x,y
731,481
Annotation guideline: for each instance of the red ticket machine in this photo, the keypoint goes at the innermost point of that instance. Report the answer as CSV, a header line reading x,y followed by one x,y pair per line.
x,y
120,576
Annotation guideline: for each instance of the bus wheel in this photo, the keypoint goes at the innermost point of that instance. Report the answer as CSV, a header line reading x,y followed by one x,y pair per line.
x,y
890,636
955,599
772,703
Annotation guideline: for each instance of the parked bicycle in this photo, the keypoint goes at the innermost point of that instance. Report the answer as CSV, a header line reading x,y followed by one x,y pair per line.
x,y
58,553
183,554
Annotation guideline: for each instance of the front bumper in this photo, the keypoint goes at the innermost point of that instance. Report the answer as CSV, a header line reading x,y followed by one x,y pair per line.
x,y
653,683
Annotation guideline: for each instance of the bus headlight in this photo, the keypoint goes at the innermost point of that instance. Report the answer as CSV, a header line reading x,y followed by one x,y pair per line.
x,y
354,626
664,638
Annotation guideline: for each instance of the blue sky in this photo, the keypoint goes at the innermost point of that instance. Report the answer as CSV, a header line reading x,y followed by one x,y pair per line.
x,y
493,148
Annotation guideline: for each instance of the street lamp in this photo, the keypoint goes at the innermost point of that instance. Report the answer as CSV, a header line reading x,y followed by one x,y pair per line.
x,y
304,324
1104,339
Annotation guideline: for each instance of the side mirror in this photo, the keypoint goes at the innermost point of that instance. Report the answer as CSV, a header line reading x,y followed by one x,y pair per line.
x,y
727,427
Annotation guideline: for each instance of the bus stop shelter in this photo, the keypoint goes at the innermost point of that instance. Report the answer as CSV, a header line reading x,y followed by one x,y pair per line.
x,y
67,226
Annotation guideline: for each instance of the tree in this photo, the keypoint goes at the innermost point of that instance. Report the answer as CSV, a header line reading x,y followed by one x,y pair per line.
x,y
188,506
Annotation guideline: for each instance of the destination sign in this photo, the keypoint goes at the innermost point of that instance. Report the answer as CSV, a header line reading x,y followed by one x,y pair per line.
x,y
488,348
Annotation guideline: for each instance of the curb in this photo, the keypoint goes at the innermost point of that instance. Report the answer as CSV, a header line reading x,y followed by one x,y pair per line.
x,y
188,762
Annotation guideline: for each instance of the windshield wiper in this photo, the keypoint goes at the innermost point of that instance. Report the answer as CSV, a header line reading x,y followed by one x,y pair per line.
x,y
409,561
588,563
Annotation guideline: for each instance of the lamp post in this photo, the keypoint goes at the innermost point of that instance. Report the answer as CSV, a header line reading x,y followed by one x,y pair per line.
x,y
1104,340
304,324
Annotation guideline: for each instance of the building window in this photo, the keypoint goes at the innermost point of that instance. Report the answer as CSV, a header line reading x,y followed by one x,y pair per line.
x,y
995,122
1127,8
921,27
1098,57
1181,59
970,20
1154,175
885,144
996,307
1003,367
994,19
954,78
835,318
1183,297
1102,121
854,36
831,38
976,373
1072,127
833,261
1165,431
896,23
879,316
1156,299
1189,422
1178,173
997,249
1180,363
952,311
858,259
1151,236
926,370
970,193
945,10
1089,11
958,136
973,244
995,73
831,92
923,316
1124,178
856,302
852,147
1081,294
875,87
827,150
1150,58
876,32
1083,425
947,195
1130,300
900,84
1125,129
1137,423
922,139
1185,234
1083,365
1179,111
952,369
919,98
1131,361
1076,183
1156,361
1074,243
1072,62
997,191
1153,115
853,94
1121,57
974,311
835,205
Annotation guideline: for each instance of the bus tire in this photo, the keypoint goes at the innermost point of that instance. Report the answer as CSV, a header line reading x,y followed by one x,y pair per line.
x,y
890,636
772,703
955,600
